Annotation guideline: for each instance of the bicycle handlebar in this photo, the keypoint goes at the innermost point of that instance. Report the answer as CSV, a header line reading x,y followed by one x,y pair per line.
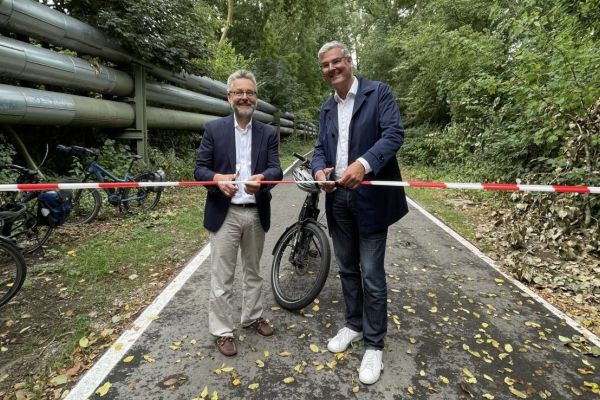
x,y
299,157
78,151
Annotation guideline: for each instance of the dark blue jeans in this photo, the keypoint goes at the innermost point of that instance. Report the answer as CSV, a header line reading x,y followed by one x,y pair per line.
x,y
360,259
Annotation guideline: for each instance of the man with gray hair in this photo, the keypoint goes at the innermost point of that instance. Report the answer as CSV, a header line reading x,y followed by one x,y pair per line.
x,y
237,148
360,132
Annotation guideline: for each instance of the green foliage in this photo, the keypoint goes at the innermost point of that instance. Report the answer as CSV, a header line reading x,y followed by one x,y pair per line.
x,y
7,151
225,61
169,33
115,157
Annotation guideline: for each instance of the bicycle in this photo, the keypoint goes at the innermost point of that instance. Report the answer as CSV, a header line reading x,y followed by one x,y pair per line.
x,y
27,229
87,202
302,255
12,263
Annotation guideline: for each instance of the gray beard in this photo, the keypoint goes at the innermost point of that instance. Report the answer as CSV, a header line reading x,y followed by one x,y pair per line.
x,y
238,112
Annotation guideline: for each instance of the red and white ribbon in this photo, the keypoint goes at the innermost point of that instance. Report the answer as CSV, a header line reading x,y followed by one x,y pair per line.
x,y
26,187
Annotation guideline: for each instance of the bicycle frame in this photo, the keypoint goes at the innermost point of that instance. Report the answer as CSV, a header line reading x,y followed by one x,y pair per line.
x,y
101,173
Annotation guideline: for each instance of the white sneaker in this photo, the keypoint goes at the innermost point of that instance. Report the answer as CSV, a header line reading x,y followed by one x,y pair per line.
x,y
370,367
342,340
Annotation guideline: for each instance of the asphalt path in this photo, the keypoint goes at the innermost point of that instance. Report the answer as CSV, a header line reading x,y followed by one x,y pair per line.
x,y
458,329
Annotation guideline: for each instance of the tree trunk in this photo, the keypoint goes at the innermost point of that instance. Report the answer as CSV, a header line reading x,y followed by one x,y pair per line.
x,y
229,21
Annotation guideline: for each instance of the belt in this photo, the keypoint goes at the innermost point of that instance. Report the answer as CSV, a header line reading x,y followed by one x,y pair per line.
x,y
245,205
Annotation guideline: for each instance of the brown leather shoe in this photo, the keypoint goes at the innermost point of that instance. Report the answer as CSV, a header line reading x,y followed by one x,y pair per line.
x,y
262,327
226,345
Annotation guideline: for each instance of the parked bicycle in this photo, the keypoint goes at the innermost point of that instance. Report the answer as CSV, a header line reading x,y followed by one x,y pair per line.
x,y
43,211
12,263
87,202
302,255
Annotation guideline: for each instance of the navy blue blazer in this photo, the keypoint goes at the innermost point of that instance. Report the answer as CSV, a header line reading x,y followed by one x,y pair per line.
x,y
376,134
216,154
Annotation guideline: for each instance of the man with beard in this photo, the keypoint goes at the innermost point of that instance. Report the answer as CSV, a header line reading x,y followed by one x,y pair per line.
x,y
237,148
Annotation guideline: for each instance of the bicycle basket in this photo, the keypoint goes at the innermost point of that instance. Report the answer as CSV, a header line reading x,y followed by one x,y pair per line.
x,y
301,175
54,207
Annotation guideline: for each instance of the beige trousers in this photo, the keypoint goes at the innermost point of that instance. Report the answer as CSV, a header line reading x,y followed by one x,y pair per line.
x,y
241,229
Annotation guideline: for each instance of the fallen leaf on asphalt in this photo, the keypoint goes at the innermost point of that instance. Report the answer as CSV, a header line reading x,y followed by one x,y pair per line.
x,y
214,396
315,308
170,382
289,379
488,396
266,353
355,389
149,358
410,390
253,386
3,349
517,393
260,363
102,390
118,346
444,379
128,359
314,348
236,382
227,369
298,368
508,348
204,392
285,354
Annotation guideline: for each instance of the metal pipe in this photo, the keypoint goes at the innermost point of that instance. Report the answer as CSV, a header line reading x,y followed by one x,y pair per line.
x,y
24,61
36,20
20,105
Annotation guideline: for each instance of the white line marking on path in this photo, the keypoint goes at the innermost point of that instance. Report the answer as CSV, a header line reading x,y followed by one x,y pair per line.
x,y
94,377
87,385
574,324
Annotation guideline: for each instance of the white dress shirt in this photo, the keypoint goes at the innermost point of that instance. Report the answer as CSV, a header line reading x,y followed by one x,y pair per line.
x,y
243,162
345,108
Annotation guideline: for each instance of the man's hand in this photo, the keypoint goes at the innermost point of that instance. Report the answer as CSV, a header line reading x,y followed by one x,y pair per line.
x,y
252,188
323,175
227,188
353,175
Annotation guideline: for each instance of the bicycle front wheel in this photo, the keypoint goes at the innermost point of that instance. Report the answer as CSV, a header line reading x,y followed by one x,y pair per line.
x,y
142,198
28,233
300,266
12,271
86,206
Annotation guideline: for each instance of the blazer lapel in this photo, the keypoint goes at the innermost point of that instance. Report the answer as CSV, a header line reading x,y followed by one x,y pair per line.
x,y
257,138
331,118
230,132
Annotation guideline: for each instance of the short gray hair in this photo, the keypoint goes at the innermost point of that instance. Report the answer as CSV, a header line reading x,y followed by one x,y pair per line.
x,y
334,45
241,74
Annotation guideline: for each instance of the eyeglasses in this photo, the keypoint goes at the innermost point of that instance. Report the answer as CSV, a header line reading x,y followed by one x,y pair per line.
x,y
240,93
333,63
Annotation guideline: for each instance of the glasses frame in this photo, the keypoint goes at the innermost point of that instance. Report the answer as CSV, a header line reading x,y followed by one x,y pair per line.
x,y
241,93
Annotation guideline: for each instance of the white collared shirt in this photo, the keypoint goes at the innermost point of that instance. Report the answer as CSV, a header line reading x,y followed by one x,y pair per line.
x,y
243,162
345,108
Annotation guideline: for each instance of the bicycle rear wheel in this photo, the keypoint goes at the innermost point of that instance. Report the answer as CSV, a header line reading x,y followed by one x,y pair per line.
x,y
86,206
12,271
142,198
300,266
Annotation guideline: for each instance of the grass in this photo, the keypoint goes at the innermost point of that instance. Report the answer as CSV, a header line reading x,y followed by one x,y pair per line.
x,y
442,202
96,278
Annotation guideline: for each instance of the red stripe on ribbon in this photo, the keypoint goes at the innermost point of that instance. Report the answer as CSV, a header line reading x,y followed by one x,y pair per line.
x,y
500,186
37,186
571,189
439,185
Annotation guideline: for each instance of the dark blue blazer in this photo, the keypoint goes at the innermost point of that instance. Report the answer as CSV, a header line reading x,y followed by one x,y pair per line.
x,y
376,134
216,154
